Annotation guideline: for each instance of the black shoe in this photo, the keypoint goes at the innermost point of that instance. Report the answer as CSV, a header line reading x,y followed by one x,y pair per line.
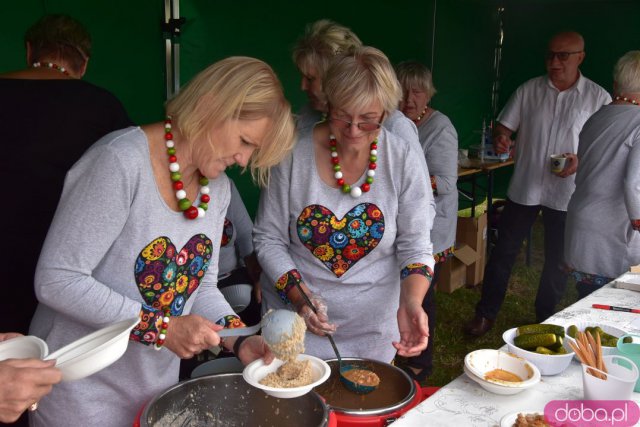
x,y
478,326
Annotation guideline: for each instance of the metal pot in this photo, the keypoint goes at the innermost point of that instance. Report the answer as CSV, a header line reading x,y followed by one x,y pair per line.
x,y
227,400
396,391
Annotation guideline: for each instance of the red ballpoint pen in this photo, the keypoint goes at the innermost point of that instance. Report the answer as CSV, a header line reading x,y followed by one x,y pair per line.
x,y
614,308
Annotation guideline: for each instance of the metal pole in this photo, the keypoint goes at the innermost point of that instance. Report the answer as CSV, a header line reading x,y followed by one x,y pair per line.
x,y
171,30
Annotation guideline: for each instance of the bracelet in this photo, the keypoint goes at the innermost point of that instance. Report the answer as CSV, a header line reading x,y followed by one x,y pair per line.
x,y
236,345
163,329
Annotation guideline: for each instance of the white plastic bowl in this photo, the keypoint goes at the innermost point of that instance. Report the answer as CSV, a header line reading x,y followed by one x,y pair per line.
x,y
611,330
478,363
255,371
238,296
93,352
25,347
548,364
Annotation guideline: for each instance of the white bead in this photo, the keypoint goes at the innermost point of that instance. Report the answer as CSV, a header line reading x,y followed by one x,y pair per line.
x,y
338,175
167,126
166,319
374,152
334,154
356,192
331,136
170,144
371,172
201,212
162,336
181,194
174,167
204,189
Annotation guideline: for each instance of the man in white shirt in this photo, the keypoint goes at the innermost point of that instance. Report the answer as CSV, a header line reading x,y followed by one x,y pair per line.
x,y
548,113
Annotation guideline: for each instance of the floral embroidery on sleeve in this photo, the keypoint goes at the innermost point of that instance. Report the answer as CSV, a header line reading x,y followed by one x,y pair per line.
x,y
146,332
444,255
231,321
635,224
287,281
417,268
434,185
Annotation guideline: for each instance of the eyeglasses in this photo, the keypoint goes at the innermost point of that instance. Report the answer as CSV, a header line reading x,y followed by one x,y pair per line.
x,y
363,126
562,56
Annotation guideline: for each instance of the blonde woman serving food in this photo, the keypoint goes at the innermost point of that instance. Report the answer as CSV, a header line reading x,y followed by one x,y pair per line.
x,y
347,217
137,234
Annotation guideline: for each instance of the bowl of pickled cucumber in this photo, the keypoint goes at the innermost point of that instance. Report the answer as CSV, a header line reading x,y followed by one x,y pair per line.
x,y
608,334
543,344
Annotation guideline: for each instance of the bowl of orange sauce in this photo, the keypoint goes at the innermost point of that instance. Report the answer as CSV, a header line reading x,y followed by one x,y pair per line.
x,y
500,372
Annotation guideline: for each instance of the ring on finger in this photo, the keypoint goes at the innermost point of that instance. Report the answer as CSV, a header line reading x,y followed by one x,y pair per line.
x,y
33,406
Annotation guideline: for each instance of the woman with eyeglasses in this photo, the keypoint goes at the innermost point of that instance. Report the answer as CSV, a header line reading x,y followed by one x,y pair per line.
x,y
347,219
322,42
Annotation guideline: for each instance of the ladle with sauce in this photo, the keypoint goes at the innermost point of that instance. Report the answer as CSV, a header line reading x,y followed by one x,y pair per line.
x,y
358,379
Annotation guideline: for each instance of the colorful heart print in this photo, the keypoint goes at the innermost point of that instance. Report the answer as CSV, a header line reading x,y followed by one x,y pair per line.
x,y
340,243
166,277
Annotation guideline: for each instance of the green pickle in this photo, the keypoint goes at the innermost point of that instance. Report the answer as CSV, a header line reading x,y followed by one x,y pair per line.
x,y
572,331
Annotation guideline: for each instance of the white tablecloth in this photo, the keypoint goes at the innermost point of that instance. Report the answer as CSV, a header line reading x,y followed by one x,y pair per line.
x,y
463,402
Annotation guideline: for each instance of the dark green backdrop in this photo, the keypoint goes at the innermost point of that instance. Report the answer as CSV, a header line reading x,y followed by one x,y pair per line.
x,y
128,54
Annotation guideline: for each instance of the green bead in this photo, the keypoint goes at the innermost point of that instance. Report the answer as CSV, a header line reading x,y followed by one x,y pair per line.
x,y
204,180
171,151
336,168
373,158
184,204
204,205
333,148
346,188
369,180
176,176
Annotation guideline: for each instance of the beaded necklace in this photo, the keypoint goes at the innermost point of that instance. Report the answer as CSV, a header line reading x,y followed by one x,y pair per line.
x,y
50,65
185,205
421,115
354,191
625,99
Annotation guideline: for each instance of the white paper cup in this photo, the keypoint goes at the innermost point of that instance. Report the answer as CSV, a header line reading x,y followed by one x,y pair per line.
x,y
557,162
621,378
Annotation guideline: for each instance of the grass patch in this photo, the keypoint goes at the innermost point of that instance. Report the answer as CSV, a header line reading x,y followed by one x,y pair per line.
x,y
454,310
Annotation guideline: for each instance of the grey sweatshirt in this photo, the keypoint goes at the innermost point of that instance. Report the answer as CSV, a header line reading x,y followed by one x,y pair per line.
x,y
93,258
379,234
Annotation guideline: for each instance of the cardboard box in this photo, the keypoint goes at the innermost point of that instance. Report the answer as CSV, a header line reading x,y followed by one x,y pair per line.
x,y
473,232
453,274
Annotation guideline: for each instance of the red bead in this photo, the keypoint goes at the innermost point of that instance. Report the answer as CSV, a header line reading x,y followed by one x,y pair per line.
x,y
372,165
365,187
373,147
335,160
167,121
178,185
332,142
173,159
159,343
340,182
191,213
168,136
205,198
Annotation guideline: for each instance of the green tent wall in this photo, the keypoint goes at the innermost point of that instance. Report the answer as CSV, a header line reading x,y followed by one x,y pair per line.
x,y
128,52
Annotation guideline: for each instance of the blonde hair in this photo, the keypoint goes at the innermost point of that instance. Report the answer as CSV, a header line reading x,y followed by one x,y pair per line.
x,y
412,74
626,73
237,88
360,78
321,42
